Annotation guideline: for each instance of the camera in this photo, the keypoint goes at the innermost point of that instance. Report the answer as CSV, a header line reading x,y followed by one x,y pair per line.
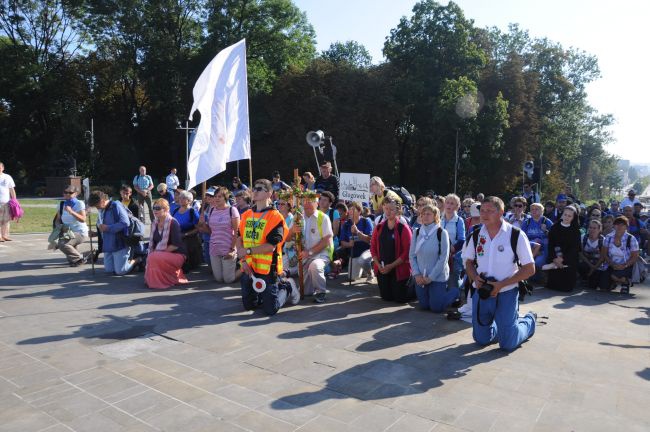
x,y
486,289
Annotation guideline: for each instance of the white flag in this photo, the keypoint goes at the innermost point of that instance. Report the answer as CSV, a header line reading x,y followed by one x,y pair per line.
x,y
221,95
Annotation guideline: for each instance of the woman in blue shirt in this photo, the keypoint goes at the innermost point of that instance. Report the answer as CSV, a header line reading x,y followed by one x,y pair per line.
x,y
429,256
455,227
356,234
536,228
188,219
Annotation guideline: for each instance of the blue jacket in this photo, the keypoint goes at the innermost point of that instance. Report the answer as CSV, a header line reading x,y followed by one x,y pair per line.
x,y
115,216
427,259
459,239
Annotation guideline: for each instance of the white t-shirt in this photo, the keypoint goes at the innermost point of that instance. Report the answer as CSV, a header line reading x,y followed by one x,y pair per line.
x,y
312,234
6,183
75,225
495,257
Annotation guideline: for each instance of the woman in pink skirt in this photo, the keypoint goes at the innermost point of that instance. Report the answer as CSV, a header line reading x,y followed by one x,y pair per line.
x,y
166,250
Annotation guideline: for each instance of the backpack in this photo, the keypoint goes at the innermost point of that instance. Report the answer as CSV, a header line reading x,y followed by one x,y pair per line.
x,y
628,243
438,234
192,214
15,210
60,213
601,239
134,232
405,196
526,223
524,287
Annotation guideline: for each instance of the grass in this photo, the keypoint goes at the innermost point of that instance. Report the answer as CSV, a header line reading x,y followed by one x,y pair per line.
x,y
39,202
35,219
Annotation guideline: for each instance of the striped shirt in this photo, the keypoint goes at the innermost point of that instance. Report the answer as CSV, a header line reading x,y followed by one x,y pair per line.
x,y
220,222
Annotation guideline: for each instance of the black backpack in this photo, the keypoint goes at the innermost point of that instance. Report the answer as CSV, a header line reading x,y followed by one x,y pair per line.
x,y
524,286
601,239
405,196
438,235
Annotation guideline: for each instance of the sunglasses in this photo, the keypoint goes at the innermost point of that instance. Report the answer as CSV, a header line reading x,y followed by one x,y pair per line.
x,y
519,205
260,189
68,192
157,208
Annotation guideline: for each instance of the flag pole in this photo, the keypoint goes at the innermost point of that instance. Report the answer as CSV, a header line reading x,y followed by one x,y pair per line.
x,y
250,172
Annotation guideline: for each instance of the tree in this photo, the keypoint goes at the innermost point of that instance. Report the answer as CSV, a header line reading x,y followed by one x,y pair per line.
x,y
278,37
425,51
350,52
41,93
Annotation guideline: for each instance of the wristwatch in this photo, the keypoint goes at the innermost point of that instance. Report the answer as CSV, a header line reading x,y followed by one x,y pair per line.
x,y
249,251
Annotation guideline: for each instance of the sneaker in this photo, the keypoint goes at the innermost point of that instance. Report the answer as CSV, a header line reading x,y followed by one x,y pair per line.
x,y
533,314
456,304
77,263
625,288
319,297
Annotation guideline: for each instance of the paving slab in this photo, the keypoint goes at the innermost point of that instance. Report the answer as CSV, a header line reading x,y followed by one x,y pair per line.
x,y
82,351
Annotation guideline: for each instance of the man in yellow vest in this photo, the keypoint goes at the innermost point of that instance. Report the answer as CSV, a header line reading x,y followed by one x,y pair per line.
x,y
318,247
262,231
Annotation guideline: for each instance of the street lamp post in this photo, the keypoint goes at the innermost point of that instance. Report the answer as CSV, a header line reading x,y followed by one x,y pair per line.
x,y
187,130
456,165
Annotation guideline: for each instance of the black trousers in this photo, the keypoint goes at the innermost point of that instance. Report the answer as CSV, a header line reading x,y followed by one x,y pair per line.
x,y
390,289
563,279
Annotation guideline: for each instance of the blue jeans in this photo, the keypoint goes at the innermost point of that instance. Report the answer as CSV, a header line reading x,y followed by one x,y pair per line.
x,y
499,320
455,270
118,262
435,296
206,248
272,298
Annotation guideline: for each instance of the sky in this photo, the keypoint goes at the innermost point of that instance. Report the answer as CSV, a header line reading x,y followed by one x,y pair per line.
x,y
616,33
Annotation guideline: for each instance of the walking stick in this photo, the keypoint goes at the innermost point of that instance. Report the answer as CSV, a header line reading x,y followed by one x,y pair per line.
x,y
92,252
350,260
298,220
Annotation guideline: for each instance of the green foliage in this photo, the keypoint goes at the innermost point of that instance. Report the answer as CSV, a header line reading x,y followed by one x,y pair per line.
x,y
278,36
502,97
350,52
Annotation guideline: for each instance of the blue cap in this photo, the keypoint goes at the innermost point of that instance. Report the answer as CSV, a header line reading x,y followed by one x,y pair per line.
x,y
561,197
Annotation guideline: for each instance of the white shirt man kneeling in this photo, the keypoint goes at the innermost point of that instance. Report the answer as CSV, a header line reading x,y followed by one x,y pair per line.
x,y
495,313
318,246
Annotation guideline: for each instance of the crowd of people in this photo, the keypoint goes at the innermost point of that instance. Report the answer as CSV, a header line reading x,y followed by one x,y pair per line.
x,y
465,257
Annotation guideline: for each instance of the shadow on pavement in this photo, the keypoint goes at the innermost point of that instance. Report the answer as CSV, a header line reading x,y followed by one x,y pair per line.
x,y
590,298
383,379
641,320
392,327
624,345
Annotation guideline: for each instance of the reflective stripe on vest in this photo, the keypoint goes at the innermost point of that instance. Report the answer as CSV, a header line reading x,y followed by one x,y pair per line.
x,y
253,231
330,247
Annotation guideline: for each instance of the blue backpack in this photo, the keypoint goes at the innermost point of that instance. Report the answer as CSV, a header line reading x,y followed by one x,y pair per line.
x,y
134,232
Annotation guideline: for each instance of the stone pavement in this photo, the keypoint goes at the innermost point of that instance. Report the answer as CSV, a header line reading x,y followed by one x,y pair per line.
x,y
101,353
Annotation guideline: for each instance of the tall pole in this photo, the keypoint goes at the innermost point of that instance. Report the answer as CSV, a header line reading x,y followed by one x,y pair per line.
x,y
92,146
187,130
456,165
250,171
541,174
187,153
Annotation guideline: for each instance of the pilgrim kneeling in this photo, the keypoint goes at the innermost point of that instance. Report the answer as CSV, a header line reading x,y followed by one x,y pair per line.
x,y
262,230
